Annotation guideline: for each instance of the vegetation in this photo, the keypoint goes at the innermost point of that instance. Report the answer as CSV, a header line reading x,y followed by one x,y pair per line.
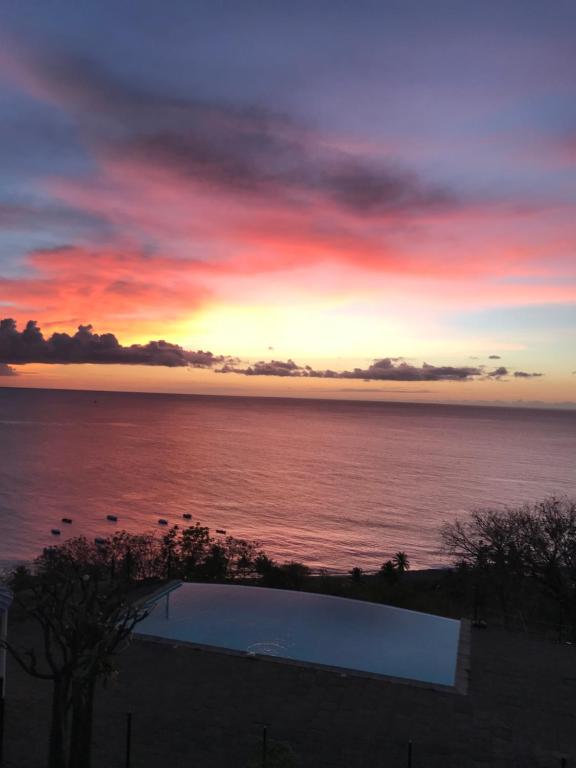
x,y
524,558
290,575
401,562
392,570
85,617
87,597
189,554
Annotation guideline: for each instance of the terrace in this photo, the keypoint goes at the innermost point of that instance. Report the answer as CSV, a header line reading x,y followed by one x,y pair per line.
x,y
197,707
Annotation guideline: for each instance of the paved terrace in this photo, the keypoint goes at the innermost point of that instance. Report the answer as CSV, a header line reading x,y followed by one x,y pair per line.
x,y
202,709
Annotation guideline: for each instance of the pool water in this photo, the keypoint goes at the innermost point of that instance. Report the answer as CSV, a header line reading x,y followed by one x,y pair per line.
x,y
316,629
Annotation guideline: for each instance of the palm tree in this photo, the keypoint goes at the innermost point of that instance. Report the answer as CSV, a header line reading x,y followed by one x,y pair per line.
x,y
401,562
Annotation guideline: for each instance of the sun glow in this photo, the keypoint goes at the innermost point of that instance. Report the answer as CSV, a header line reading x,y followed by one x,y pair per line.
x,y
310,333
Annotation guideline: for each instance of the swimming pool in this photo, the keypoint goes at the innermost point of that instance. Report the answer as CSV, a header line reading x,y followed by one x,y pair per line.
x,y
302,627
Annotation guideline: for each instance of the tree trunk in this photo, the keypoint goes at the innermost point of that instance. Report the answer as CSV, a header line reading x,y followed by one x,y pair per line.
x,y
58,725
82,716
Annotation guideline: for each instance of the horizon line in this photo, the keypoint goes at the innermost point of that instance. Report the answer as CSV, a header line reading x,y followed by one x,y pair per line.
x,y
511,405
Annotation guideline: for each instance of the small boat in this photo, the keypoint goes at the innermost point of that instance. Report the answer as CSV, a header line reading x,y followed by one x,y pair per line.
x,y
55,531
162,521
112,518
99,540
67,520
220,530
187,516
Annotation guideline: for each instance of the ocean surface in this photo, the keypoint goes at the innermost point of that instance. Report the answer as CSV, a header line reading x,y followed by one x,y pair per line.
x,y
333,484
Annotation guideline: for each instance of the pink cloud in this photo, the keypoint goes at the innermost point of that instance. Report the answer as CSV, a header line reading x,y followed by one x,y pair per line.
x,y
121,284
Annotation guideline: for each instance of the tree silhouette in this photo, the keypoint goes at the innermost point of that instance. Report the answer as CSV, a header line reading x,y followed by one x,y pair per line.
x,y
85,616
401,562
532,546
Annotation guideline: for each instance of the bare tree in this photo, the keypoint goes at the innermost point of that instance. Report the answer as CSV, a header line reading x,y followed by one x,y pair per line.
x,y
533,543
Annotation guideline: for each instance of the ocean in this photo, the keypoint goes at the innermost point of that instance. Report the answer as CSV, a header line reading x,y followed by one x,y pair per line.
x,y
330,483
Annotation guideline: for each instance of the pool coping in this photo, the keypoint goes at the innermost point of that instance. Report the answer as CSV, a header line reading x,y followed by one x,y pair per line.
x,y
461,678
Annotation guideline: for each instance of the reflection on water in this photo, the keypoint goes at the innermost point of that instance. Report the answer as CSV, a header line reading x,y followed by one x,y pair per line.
x,y
330,483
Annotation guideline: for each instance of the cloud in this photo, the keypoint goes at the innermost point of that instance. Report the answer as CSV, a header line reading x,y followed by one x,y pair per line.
x,y
525,375
498,373
244,182
273,368
502,372
116,284
385,369
85,346
494,357
245,150
381,370
178,197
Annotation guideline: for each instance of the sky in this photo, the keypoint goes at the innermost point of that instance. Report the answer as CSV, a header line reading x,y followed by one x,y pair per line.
x,y
315,198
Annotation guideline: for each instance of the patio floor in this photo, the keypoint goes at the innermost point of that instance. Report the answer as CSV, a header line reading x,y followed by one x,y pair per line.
x,y
202,709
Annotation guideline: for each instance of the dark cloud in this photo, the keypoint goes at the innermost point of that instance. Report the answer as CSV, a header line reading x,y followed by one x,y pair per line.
x,y
502,372
386,369
273,368
241,149
494,357
381,370
85,346
498,373
7,370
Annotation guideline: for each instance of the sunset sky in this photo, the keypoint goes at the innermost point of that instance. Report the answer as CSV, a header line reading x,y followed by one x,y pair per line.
x,y
382,191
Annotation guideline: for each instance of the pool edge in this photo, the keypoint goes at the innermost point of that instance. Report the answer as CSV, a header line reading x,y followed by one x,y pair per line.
x,y
459,687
